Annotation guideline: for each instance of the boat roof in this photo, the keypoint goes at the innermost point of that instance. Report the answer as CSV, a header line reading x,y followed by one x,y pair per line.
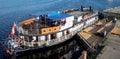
x,y
79,13
59,16
53,16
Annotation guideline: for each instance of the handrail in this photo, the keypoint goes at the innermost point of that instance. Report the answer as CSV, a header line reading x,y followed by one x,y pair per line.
x,y
52,42
55,41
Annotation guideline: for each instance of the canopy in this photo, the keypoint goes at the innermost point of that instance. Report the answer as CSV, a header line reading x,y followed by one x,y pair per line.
x,y
53,16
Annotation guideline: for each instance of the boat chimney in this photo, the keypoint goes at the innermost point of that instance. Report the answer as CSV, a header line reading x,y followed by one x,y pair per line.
x,y
90,8
82,8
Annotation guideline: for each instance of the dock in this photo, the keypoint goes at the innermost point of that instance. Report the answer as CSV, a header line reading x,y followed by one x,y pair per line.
x,y
112,47
95,34
112,43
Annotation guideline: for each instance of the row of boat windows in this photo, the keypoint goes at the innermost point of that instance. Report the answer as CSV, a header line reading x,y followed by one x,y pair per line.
x,y
38,38
50,30
40,25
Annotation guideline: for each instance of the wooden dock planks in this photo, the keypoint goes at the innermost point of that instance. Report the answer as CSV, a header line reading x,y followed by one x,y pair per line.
x,y
100,29
85,35
116,31
88,29
108,24
100,23
105,26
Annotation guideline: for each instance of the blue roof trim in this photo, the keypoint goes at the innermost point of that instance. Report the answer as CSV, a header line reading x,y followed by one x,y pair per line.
x,y
50,13
58,17
53,16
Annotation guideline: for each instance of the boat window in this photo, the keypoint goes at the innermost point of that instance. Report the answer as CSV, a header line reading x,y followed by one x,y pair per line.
x,y
46,38
49,29
44,31
53,36
55,23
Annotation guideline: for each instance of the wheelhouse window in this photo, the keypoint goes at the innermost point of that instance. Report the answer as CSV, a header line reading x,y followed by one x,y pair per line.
x,y
55,23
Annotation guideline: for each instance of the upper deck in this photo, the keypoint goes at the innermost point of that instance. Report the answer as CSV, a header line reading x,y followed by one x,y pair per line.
x,y
50,22
43,23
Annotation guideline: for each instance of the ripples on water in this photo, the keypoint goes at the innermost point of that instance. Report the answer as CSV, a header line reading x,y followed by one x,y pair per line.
x,y
18,10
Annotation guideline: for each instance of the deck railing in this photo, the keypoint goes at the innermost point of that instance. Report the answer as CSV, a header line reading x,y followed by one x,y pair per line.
x,y
58,40
51,42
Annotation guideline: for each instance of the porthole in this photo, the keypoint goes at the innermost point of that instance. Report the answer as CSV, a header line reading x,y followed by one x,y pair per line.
x,y
49,29
44,31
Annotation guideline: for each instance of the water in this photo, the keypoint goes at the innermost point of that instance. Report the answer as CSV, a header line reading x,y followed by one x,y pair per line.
x,y
17,10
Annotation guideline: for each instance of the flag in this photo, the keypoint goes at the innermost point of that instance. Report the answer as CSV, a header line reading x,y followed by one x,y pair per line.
x,y
63,20
13,28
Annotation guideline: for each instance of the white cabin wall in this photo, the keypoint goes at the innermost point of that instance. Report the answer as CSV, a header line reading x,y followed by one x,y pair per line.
x,y
69,23
39,38
77,27
90,21
59,34
42,38
49,37
65,32
79,19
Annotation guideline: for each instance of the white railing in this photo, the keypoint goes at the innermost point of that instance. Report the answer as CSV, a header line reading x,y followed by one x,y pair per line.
x,y
53,41
49,43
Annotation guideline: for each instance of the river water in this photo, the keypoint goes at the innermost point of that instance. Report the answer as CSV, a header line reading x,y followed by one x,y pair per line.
x,y
17,10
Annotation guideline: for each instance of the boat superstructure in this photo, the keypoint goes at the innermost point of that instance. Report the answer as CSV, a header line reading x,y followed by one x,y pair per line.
x,y
45,29
50,28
